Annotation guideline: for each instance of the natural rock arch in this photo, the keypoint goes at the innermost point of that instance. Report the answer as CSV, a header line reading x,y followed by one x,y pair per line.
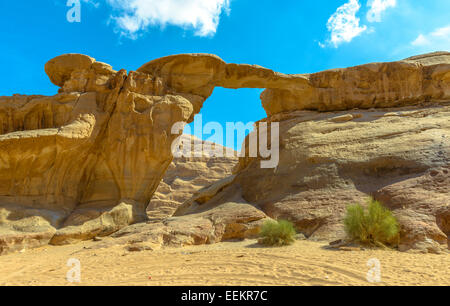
x,y
86,161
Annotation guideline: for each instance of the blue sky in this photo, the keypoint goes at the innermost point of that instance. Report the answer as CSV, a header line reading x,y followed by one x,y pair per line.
x,y
290,36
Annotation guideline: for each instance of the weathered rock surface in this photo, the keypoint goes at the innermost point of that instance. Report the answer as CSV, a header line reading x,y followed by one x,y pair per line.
x,y
86,162
422,204
187,175
376,85
223,218
399,155
395,84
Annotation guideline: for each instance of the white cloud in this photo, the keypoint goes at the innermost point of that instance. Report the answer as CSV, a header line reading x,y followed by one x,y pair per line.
x,y
442,33
439,39
137,15
377,7
344,25
421,40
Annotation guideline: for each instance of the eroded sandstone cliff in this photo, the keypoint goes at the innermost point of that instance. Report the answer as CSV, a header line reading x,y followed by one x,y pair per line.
x,y
86,162
391,142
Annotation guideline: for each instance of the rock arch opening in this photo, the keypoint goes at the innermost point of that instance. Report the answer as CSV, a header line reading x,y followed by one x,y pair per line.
x,y
224,108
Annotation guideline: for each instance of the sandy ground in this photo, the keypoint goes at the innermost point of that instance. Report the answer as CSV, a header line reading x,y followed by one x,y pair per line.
x,y
229,263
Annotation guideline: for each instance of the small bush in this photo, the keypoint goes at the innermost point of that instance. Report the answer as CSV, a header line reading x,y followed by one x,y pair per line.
x,y
373,225
277,233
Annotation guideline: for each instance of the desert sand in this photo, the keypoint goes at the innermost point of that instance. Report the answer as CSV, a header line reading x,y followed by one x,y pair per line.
x,y
226,263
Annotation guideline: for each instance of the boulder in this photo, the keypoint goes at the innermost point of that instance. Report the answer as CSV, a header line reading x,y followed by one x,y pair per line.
x,y
422,205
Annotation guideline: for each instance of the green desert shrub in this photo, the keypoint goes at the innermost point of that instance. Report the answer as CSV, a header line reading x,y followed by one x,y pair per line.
x,y
277,233
374,224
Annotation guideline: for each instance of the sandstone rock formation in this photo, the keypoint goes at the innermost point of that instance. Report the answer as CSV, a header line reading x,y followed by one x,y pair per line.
x,y
86,162
423,208
215,222
187,175
399,154
414,80
326,164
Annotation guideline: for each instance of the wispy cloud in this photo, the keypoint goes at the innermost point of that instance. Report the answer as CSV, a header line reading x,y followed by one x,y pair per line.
x,y
344,25
94,3
421,40
377,7
437,39
135,16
